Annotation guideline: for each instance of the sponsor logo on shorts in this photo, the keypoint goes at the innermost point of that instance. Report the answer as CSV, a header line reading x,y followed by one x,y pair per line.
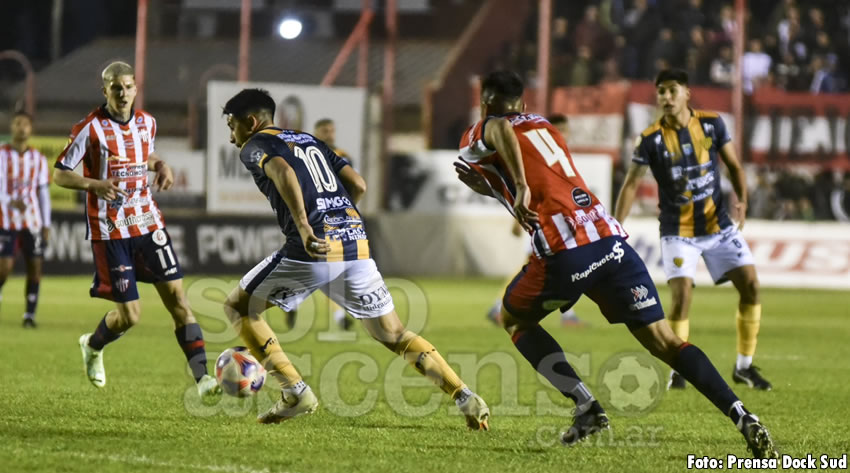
x,y
616,253
283,293
171,271
678,262
581,197
122,284
376,300
639,294
159,237
121,268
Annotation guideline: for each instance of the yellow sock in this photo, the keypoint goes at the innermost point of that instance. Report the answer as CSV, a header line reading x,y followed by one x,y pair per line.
x,y
427,361
680,328
262,342
748,319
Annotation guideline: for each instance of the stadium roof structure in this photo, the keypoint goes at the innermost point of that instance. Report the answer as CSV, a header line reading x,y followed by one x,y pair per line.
x,y
175,67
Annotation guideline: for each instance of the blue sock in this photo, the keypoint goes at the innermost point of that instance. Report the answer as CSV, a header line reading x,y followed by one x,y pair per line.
x,y
32,296
698,370
547,357
102,336
191,340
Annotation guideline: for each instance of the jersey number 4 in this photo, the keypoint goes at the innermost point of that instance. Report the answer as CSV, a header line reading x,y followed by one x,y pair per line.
x,y
323,177
549,149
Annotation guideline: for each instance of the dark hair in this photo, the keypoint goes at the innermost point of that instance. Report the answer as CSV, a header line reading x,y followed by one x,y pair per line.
x,y
249,101
677,75
505,85
323,122
21,113
558,118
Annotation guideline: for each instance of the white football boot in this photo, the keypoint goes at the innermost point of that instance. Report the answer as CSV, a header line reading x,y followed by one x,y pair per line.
x,y
290,405
475,410
92,362
208,387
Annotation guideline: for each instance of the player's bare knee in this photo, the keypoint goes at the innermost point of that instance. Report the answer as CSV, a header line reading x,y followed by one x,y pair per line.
x,y
750,291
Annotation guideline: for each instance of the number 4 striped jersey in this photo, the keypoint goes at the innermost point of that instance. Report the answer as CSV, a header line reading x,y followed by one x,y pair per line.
x,y
113,150
570,215
330,211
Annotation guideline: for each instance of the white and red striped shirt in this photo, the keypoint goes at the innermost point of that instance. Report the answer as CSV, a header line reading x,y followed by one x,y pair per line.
x,y
22,176
114,150
570,215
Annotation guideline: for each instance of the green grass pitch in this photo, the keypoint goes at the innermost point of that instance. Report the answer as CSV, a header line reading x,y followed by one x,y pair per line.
x,y
375,414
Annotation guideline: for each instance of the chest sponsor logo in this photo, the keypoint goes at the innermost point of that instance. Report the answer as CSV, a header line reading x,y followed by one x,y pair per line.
x,y
144,220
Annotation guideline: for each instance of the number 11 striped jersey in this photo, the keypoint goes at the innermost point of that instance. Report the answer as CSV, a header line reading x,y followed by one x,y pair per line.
x,y
330,211
570,215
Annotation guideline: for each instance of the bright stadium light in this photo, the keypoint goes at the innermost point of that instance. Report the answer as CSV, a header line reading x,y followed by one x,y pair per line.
x,y
289,28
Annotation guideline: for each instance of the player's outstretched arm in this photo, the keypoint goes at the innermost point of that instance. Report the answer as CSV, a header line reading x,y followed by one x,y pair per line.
x,y
106,189
286,183
738,178
500,133
627,193
353,183
164,177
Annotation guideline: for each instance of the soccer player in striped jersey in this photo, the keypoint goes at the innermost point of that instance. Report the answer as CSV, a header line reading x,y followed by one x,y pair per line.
x,y
683,149
24,209
314,194
115,143
523,161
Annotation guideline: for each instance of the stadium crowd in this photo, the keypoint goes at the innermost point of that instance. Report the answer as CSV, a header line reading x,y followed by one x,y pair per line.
x,y
791,44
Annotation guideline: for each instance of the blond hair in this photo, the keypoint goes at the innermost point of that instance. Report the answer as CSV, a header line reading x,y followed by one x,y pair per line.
x,y
116,69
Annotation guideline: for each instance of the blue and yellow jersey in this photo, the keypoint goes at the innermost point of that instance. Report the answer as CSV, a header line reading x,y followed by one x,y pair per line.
x,y
330,210
684,163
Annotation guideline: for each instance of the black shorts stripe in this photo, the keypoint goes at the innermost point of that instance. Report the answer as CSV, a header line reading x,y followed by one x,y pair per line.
x,y
264,273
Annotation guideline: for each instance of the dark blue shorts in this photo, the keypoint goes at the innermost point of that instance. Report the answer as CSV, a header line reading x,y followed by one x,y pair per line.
x,y
120,263
608,271
25,240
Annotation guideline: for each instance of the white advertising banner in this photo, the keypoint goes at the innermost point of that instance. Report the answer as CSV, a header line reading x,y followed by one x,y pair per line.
x,y
787,254
230,188
440,192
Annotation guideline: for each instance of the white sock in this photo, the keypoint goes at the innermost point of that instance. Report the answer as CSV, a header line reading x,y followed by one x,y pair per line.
x,y
465,394
743,362
297,389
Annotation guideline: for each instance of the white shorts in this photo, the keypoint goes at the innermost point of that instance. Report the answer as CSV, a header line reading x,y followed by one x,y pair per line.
x,y
722,252
355,285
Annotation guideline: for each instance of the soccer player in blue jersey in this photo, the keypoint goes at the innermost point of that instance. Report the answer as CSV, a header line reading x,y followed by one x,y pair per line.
x,y
683,149
314,194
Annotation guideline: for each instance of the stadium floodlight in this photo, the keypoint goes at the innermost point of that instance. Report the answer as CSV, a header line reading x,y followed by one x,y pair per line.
x,y
290,28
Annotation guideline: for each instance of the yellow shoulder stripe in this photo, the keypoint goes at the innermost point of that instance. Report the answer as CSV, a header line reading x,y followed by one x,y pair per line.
x,y
652,129
705,114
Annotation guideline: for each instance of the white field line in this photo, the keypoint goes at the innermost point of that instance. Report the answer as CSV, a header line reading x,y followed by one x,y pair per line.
x,y
148,461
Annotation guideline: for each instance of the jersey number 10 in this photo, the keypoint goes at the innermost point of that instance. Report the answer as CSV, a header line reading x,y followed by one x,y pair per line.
x,y
323,177
549,149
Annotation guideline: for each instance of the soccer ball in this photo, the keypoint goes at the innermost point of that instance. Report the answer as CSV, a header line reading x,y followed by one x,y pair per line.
x,y
238,373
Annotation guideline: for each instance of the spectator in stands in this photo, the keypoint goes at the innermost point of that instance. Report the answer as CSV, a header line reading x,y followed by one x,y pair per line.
x,y
591,34
664,48
789,74
722,67
823,77
755,66
640,25
583,70
726,23
790,32
697,56
691,16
